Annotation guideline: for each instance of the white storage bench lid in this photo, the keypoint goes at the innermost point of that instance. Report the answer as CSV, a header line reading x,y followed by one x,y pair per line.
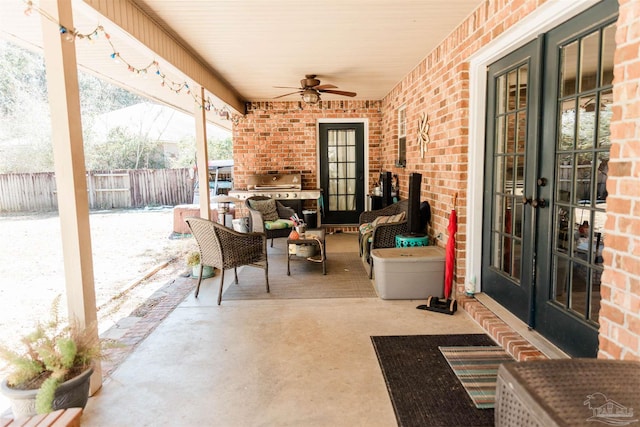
x,y
410,254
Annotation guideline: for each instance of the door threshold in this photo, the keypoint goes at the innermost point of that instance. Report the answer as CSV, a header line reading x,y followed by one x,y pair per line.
x,y
541,343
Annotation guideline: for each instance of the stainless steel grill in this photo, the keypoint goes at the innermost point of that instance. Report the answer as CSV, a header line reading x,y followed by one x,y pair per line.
x,y
286,188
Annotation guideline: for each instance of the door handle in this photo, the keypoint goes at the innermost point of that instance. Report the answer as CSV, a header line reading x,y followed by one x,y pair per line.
x,y
535,203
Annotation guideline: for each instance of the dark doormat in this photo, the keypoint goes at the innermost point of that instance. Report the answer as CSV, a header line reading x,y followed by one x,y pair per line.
x,y
424,390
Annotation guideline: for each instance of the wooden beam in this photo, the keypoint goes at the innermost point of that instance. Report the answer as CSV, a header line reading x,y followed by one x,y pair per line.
x,y
128,16
202,158
71,183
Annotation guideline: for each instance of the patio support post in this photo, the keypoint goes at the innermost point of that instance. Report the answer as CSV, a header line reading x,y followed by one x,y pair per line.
x,y
71,182
202,157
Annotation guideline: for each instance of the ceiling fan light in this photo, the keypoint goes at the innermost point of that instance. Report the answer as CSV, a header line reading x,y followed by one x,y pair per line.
x,y
310,96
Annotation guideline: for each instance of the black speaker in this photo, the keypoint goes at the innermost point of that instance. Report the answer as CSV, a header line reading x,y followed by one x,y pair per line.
x,y
385,179
413,217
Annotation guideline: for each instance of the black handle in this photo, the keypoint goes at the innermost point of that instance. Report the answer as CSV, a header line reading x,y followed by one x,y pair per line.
x,y
535,203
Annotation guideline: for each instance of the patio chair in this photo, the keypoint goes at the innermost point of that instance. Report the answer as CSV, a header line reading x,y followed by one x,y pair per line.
x,y
224,248
269,216
379,228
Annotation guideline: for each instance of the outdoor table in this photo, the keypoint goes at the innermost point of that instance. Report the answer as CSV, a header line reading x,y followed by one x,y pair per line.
x,y
310,237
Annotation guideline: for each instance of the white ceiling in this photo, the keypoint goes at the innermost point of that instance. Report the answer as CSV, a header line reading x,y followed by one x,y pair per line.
x,y
360,46
363,46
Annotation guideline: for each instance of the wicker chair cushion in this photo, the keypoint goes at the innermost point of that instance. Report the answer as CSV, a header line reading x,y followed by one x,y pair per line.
x,y
365,228
279,224
388,219
266,207
368,226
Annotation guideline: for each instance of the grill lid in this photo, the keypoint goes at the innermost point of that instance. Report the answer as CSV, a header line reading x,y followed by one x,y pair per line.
x,y
274,182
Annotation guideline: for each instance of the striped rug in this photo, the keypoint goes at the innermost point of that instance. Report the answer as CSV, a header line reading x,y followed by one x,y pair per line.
x,y
477,369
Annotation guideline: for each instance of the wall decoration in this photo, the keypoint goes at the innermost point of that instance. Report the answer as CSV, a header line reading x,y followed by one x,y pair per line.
x,y
423,133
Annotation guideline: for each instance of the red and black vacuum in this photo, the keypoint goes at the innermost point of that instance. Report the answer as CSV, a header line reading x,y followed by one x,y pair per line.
x,y
446,305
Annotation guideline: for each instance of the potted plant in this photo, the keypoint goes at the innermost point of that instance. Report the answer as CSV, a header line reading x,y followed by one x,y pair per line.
x,y
193,261
54,369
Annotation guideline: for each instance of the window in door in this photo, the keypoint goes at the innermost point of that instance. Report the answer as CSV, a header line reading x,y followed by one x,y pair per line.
x,y
402,137
582,157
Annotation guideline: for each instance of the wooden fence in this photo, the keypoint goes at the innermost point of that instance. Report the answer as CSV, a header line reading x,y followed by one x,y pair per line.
x,y
36,192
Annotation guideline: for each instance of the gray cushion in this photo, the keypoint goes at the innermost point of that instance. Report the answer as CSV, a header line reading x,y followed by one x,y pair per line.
x,y
266,207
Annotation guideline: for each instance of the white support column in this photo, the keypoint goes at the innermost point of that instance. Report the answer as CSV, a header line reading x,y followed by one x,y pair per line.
x,y
68,152
202,157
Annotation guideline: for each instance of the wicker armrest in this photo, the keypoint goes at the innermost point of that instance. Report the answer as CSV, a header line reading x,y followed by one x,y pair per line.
x,y
256,222
368,216
284,212
384,235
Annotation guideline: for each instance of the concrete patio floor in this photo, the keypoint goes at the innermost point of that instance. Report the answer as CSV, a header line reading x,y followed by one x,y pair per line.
x,y
303,362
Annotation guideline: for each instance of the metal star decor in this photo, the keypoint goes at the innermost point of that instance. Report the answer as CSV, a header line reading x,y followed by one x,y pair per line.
x,y
423,133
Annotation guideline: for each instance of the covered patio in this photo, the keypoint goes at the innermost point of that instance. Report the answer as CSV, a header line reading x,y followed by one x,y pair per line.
x,y
268,361
264,362
310,361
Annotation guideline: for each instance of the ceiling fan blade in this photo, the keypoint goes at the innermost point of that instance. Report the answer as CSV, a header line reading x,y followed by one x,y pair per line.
x,y
287,94
338,92
287,87
327,86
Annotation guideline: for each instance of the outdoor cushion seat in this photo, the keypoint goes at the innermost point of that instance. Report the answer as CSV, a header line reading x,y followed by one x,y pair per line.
x,y
279,224
269,216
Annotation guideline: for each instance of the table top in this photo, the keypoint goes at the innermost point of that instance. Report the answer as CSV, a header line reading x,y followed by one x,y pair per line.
x,y
576,390
309,236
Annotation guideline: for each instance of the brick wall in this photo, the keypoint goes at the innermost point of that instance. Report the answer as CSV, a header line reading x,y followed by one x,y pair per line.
x,y
281,137
439,86
620,312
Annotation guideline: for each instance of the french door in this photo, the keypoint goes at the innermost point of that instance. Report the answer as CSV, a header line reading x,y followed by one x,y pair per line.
x,y
548,141
342,171
510,176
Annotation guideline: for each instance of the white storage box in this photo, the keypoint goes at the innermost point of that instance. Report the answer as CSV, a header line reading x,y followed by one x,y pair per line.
x,y
409,273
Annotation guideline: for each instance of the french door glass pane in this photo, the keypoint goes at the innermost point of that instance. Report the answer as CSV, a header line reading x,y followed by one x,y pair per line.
x,y
586,122
342,169
566,130
512,82
509,170
523,72
500,139
604,118
568,72
589,62
608,49
582,158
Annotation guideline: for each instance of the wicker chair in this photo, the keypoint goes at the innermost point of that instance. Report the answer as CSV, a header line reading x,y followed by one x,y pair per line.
x,y
256,220
224,248
384,235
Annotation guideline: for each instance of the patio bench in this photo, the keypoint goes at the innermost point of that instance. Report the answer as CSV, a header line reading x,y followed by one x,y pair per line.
x,y
60,418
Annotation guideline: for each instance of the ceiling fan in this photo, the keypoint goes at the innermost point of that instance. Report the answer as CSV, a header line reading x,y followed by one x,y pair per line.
x,y
310,89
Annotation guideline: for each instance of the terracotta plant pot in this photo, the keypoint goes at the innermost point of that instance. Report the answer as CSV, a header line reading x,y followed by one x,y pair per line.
x,y
73,393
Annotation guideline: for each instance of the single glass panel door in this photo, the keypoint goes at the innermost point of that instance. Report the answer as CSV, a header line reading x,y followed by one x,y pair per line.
x,y
341,168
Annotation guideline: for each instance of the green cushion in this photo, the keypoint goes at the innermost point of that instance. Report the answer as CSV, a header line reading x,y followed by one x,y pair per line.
x,y
279,224
266,207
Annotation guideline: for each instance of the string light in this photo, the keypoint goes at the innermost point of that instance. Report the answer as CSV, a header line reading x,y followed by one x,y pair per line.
x,y
177,87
